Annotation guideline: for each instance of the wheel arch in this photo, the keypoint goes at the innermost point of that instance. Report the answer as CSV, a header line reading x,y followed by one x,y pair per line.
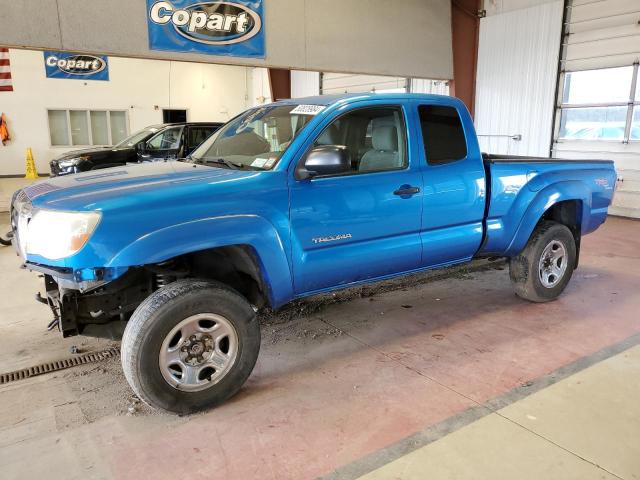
x,y
568,203
249,243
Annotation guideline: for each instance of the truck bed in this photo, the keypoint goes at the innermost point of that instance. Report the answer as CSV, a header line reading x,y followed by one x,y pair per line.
x,y
492,158
518,189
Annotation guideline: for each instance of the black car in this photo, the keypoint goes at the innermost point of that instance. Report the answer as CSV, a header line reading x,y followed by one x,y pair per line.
x,y
157,142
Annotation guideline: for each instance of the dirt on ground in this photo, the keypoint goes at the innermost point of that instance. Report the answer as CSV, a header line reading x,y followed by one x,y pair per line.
x,y
101,390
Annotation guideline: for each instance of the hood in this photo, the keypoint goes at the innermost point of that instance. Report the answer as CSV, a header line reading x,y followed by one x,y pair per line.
x,y
83,152
124,186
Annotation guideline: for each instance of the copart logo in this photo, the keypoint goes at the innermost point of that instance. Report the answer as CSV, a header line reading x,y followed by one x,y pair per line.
x,y
77,64
211,23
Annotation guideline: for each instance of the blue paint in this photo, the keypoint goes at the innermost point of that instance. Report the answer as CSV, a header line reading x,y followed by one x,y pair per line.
x,y
232,28
155,211
76,66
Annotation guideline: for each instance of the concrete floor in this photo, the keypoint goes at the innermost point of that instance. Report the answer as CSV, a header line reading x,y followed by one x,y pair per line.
x,y
450,379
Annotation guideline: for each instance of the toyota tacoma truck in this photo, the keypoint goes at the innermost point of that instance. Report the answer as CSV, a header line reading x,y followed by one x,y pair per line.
x,y
287,200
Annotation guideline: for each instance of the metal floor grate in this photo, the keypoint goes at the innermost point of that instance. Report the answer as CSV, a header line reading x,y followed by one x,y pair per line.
x,y
58,365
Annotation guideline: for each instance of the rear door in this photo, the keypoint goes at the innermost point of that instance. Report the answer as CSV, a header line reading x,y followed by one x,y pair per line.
x,y
366,223
454,186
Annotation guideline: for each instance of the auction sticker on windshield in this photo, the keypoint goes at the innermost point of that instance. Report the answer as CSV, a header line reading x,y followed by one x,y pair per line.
x,y
307,109
232,28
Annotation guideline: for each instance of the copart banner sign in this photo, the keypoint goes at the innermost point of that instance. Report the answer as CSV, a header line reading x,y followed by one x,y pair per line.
x,y
78,66
230,28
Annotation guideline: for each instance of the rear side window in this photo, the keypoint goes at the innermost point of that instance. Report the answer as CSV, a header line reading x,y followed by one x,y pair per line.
x,y
442,134
197,135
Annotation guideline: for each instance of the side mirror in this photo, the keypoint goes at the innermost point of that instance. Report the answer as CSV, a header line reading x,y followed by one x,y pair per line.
x,y
141,147
325,160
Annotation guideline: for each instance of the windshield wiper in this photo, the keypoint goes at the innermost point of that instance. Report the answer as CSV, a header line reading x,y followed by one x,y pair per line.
x,y
221,161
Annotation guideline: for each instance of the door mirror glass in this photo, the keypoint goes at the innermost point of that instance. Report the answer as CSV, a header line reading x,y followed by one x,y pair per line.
x,y
326,160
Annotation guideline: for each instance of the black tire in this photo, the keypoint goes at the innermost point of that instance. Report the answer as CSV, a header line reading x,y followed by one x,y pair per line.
x,y
5,241
161,312
524,269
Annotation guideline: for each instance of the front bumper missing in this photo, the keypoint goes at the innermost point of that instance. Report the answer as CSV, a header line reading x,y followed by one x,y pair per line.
x,y
73,309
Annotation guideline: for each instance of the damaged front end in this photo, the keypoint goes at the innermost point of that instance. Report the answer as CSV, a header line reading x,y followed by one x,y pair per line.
x,y
97,308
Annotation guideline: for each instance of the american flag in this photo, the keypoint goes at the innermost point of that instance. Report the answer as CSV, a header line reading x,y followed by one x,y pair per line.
x,y
5,71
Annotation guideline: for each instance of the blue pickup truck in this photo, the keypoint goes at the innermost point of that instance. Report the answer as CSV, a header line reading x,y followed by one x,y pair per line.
x,y
288,200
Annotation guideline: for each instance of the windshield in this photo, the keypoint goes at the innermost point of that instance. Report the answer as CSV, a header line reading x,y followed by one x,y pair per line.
x,y
256,139
137,137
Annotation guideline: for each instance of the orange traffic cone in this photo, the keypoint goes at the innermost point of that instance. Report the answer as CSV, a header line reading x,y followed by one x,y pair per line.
x,y
31,173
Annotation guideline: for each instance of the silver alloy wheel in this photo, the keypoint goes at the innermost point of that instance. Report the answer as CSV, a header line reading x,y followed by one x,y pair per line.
x,y
198,352
553,263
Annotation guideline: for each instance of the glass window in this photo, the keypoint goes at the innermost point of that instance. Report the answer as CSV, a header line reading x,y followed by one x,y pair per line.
x,y
82,127
597,123
168,139
79,127
58,129
255,139
99,128
442,134
118,126
635,124
608,85
374,137
197,135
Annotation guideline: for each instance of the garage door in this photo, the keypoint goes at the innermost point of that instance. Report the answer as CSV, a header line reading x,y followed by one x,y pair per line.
x,y
346,83
598,108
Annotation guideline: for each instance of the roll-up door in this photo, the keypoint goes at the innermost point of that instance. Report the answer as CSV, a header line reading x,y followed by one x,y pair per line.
x,y
598,107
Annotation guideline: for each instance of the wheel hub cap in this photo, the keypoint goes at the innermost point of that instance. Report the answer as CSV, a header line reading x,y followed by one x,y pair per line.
x,y
553,264
198,352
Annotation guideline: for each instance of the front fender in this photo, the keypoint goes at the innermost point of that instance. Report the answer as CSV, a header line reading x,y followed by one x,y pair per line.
x,y
203,234
543,200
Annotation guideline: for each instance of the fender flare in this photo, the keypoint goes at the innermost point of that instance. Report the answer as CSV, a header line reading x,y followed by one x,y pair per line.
x,y
543,201
203,234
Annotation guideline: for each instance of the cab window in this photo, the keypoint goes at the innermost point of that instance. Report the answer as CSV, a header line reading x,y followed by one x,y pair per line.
x,y
374,138
442,134
168,139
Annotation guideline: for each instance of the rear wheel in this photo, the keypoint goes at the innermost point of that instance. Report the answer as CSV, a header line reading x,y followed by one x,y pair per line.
x,y
191,345
544,267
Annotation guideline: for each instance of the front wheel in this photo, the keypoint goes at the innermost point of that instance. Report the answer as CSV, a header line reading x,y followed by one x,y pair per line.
x,y
191,345
544,267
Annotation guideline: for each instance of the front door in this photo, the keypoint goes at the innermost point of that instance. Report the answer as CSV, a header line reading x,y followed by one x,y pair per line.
x,y
164,145
366,223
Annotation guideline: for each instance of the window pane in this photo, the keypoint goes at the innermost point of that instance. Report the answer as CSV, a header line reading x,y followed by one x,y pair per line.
x,y
58,127
99,130
374,139
79,127
118,126
598,86
168,139
600,123
197,135
442,134
635,124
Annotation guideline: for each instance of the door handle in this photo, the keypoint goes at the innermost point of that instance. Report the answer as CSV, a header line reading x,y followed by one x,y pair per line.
x,y
406,190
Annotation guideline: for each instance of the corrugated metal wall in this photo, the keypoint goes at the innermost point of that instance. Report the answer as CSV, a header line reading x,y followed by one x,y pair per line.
x,y
345,83
516,79
304,84
604,34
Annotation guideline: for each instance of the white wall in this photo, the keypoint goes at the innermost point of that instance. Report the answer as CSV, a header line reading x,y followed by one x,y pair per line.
x,y
142,87
516,80
304,84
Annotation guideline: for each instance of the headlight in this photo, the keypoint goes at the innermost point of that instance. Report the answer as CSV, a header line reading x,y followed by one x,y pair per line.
x,y
71,162
55,235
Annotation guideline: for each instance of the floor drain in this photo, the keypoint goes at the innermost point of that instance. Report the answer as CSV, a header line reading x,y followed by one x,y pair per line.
x,y
58,365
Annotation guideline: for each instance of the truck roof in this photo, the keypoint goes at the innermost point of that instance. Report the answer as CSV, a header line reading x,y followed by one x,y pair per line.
x,y
331,99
